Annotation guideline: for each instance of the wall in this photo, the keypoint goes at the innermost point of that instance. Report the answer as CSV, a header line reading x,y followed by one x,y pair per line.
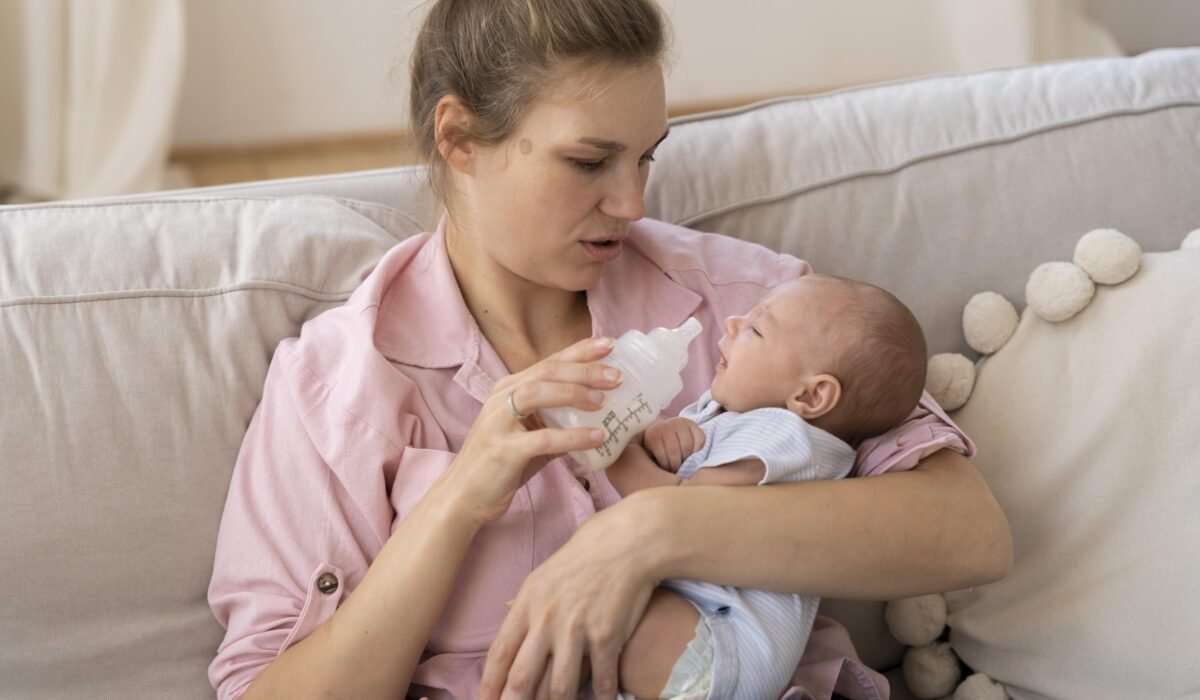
x,y
1150,24
281,70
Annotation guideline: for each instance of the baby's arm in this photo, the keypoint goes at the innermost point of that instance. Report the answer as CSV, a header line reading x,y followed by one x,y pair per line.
x,y
663,448
744,472
635,469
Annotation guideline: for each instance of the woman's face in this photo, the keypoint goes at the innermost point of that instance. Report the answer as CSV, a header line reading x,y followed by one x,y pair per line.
x,y
552,204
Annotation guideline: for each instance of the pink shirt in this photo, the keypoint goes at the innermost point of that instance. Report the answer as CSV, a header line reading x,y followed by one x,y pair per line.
x,y
370,404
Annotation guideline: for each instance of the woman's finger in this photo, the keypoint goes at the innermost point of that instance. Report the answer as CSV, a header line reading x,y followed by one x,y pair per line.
x,y
501,654
557,441
565,668
585,350
527,670
530,397
604,655
543,690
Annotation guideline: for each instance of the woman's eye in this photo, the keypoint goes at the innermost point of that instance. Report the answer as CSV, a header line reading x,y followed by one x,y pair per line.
x,y
648,158
588,166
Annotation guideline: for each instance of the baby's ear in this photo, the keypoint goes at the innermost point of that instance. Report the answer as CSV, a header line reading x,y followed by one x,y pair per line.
x,y
817,395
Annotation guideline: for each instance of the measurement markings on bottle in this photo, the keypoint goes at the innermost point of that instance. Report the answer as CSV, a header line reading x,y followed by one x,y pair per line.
x,y
615,424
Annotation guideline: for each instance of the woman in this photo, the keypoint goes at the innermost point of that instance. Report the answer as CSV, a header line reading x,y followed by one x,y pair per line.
x,y
395,453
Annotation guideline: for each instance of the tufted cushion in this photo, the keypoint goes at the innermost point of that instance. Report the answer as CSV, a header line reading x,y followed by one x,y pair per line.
x,y
1087,435
134,339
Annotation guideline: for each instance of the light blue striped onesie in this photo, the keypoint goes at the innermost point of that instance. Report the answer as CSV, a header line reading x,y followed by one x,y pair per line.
x,y
758,637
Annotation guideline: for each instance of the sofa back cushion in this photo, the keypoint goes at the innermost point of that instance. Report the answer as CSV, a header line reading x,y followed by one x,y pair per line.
x,y
935,188
134,339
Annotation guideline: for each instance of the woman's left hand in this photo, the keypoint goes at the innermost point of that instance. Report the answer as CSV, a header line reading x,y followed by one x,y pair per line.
x,y
584,601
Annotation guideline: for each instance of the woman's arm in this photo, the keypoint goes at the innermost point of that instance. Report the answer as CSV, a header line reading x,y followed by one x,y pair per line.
x,y
934,528
370,646
372,643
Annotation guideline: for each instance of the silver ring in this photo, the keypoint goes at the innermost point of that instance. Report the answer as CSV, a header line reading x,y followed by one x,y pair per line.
x,y
516,414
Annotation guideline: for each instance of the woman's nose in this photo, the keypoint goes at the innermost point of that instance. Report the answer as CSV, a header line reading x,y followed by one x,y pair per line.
x,y
626,198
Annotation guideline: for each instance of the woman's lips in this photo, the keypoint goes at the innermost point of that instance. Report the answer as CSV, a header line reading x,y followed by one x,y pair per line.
x,y
602,251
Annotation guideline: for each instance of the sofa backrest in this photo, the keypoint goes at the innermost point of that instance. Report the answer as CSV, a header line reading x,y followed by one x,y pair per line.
x,y
935,188
134,339
135,332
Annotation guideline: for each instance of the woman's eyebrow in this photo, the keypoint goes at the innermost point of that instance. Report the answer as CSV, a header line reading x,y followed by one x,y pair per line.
x,y
617,146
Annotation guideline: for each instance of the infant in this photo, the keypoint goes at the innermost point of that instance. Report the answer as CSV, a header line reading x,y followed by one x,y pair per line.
x,y
819,365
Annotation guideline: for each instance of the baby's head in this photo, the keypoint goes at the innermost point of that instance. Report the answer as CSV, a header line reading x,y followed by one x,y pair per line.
x,y
846,356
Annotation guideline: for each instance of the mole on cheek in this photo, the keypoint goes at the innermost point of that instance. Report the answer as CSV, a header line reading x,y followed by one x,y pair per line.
x,y
526,147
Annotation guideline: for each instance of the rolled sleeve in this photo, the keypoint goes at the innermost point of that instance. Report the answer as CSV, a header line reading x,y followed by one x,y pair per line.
x,y
293,541
927,430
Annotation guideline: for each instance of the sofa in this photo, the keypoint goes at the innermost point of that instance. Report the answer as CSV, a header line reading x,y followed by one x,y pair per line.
x,y
135,334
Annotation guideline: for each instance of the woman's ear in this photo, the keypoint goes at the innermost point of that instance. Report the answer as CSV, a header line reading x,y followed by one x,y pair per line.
x,y
816,396
451,134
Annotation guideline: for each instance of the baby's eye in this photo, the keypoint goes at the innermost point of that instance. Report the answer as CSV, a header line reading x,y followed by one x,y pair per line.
x,y
756,331
587,166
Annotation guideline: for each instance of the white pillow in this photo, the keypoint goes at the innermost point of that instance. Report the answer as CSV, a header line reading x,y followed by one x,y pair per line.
x,y
1089,436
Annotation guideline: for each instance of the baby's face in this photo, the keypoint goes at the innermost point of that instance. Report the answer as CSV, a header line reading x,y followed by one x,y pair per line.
x,y
793,333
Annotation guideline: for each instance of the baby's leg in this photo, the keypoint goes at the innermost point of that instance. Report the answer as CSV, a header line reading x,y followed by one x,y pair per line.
x,y
662,636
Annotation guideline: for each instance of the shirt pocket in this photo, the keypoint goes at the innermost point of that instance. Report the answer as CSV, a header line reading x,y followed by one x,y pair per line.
x,y
496,564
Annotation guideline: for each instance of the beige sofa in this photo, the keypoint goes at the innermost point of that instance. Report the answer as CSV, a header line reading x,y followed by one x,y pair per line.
x,y
135,333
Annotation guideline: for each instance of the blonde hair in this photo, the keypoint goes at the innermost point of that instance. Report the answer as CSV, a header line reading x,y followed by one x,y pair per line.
x,y
499,56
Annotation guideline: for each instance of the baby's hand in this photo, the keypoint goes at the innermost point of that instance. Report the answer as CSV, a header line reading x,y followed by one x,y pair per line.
x,y
672,441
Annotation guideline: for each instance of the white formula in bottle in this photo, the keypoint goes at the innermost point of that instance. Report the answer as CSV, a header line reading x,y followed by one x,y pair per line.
x,y
650,364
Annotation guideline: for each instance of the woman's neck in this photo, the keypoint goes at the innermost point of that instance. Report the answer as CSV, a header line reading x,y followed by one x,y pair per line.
x,y
523,321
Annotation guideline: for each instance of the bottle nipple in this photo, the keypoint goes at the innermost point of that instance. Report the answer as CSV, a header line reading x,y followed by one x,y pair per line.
x,y
689,330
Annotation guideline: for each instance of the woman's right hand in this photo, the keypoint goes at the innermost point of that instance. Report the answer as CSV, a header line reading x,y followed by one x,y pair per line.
x,y
501,451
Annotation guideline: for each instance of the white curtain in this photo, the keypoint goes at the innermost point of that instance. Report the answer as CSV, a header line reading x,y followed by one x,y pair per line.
x,y
88,90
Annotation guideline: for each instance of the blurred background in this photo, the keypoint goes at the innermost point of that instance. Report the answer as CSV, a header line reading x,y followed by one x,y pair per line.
x,y
102,97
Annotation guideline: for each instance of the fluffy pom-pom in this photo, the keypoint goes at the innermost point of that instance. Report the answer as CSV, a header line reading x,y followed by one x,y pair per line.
x,y
1192,240
950,377
980,687
988,322
916,621
931,671
1108,256
1057,291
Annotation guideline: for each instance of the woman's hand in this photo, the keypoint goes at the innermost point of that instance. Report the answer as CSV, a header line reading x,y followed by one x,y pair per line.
x,y
584,601
502,451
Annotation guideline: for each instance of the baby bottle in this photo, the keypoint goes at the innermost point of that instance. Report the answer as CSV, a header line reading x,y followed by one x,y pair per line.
x,y
650,364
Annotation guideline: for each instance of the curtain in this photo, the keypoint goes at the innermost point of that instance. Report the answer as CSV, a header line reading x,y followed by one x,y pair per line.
x,y
88,90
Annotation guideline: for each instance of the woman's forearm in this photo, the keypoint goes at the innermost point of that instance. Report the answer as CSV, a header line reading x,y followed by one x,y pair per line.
x,y
935,528
371,645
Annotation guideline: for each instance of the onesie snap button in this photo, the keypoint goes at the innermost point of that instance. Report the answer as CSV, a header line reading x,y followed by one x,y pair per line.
x,y
327,583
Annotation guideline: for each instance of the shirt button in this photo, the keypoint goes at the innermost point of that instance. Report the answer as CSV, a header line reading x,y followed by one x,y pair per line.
x,y
327,583
587,486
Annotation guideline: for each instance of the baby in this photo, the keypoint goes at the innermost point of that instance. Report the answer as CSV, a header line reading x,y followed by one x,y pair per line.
x,y
819,365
